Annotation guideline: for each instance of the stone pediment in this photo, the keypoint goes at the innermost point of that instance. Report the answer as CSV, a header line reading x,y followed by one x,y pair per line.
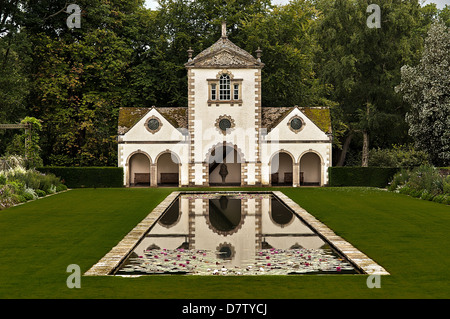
x,y
224,54
224,59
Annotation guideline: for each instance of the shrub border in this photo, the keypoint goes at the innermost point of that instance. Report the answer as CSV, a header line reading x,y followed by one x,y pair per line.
x,y
89,177
361,176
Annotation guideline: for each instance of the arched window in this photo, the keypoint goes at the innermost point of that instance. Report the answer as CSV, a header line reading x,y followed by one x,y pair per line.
x,y
224,87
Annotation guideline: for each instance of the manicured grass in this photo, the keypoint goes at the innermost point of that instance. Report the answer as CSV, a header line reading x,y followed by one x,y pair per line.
x,y
407,236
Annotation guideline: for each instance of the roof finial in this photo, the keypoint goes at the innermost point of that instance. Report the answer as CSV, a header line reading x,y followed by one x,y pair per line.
x,y
258,54
224,29
190,51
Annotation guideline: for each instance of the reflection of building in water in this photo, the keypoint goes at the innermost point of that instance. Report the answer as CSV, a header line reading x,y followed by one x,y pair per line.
x,y
281,229
228,223
236,226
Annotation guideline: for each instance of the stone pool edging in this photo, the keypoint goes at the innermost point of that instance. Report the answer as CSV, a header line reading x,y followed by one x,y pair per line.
x,y
117,254
359,259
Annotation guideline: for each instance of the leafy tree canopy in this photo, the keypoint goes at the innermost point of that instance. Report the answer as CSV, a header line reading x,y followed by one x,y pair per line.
x,y
426,87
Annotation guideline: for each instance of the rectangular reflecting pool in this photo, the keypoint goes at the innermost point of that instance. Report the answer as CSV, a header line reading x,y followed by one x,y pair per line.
x,y
232,234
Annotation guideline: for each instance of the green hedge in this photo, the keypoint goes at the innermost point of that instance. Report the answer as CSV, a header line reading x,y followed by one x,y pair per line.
x,y
78,177
361,176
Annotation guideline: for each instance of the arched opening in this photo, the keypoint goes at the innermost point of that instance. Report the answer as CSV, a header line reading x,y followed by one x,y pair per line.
x,y
225,215
310,170
168,169
279,214
139,170
281,168
171,216
224,166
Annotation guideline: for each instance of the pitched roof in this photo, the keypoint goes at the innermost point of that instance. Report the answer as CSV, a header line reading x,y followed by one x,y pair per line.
x,y
177,116
272,116
129,116
320,116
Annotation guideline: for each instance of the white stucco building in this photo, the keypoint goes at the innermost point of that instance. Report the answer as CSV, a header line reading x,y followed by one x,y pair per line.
x,y
224,136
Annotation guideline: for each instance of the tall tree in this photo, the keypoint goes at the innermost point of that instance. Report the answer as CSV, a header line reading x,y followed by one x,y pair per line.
x,y
79,82
286,38
9,16
426,87
363,65
14,81
444,15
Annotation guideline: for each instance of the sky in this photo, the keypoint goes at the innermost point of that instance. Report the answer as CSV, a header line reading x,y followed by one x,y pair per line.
x,y
439,3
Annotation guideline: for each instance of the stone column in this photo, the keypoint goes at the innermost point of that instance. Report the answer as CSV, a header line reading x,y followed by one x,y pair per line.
x,y
153,175
296,174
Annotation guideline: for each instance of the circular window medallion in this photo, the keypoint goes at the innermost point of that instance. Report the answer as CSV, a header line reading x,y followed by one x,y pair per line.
x,y
225,251
296,124
224,123
153,124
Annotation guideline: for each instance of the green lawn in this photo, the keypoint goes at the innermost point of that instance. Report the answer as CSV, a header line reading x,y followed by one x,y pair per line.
x,y
407,236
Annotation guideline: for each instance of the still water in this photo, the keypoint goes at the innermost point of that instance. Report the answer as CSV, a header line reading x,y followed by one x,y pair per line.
x,y
232,234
